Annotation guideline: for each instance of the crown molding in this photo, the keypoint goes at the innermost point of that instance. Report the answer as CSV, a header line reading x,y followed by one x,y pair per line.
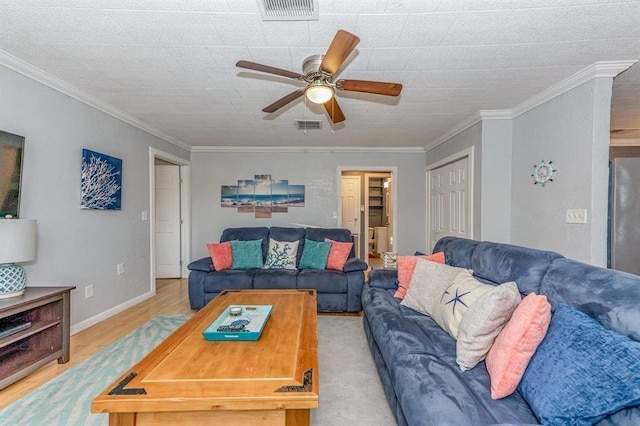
x,y
9,61
602,69
470,121
326,149
599,69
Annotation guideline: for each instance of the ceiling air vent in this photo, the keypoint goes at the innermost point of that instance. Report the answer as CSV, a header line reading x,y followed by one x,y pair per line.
x,y
288,10
307,124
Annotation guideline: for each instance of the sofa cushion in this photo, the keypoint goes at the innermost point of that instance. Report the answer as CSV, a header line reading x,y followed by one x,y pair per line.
x,y
275,278
221,255
457,251
406,266
282,254
482,323
515,345
428,282
289,234
607,295
420,356
229,279
314,254
247,254
323,280
501,263
248,234
578,353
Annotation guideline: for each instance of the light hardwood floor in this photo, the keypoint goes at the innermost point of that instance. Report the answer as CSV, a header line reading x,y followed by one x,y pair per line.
x,y
171,298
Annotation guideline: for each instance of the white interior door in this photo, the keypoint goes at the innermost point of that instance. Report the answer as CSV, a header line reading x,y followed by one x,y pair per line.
x,y
351,201
167,221
449,201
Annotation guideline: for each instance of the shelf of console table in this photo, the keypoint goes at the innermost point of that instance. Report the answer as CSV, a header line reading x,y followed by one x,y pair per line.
x,y
47,309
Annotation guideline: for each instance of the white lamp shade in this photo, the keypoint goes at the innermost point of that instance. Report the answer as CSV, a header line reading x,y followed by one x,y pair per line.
x,y
18,239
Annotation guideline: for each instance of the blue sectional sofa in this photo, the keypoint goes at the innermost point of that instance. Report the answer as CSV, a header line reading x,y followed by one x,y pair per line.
x,y
337,291
416,359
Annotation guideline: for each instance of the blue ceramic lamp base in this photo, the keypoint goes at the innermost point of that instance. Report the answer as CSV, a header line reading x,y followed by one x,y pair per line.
x,y
12,280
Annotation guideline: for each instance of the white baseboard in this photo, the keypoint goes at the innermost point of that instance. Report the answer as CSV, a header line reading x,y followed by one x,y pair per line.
x,y
76,328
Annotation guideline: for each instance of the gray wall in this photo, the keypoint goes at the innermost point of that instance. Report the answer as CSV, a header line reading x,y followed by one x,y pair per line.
x,y
572,131
80,247
318,171
471,137
496,180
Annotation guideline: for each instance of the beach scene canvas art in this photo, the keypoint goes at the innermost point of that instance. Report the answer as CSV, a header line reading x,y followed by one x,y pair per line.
x,y
262,196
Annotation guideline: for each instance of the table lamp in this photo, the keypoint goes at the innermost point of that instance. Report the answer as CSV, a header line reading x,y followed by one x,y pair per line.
x,y
17,244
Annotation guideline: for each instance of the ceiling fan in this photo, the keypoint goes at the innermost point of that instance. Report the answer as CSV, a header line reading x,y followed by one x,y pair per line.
x,y
318,74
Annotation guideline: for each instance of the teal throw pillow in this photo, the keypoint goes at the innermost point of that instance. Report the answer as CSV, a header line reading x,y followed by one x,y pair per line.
x,y
247,254
315,254
581,372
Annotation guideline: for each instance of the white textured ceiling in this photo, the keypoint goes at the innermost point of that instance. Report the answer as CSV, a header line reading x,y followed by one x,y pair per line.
x,y
171,63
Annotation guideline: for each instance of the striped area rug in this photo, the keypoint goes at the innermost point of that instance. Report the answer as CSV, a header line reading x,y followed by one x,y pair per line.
x,y
350,390
66,400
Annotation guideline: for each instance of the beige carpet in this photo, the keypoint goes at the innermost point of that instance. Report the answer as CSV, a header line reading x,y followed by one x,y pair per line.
x,y
350,389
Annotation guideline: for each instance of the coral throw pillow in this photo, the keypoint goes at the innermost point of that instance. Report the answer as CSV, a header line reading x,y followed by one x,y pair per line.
x,y
338,254
517,342
221,255
406,265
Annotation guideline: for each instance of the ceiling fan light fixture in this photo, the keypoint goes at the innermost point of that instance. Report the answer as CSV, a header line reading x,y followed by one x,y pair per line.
x,y
319,93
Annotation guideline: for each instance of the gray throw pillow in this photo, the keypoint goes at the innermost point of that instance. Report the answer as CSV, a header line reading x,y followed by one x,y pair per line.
x,y
428,282
281,255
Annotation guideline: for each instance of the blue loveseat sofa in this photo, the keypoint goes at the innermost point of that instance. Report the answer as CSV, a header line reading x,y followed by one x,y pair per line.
x,y
337,291
416,359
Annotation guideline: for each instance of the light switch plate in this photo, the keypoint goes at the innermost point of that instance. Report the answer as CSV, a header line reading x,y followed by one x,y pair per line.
x,y
576,216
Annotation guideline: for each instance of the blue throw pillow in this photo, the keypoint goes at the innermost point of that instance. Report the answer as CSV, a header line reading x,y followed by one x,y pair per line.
x,y
315,254
581,372
246,254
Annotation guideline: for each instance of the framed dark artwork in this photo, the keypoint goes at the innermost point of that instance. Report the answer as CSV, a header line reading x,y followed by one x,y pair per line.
x,y
101,184
11,154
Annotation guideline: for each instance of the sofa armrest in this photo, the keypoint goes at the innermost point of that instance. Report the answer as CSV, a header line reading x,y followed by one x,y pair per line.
x,y
354,265
205,265
384,278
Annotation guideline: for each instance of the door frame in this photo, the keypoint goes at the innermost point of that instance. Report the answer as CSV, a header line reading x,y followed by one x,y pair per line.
x,y
185,211
394,188
469,152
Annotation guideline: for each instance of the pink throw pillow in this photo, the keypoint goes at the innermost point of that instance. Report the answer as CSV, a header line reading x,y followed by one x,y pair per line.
x,y
221,255
406,265
517,342
338,254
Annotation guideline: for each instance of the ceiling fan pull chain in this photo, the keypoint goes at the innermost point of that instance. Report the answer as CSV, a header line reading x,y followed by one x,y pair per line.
x,y
305,113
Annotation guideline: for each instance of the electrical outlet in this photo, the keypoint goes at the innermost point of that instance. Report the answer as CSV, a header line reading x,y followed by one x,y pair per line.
x,y
145,216
88,291
120,268
576,216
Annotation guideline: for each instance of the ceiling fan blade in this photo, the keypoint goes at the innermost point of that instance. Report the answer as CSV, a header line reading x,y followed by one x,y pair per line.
x,y
268,69
376,87
334,110
341,46
283,101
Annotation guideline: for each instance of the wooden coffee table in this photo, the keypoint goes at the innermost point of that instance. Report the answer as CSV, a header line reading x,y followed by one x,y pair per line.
x,y
189,380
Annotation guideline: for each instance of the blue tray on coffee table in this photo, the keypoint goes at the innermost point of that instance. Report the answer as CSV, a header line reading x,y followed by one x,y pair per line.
x,y
248,325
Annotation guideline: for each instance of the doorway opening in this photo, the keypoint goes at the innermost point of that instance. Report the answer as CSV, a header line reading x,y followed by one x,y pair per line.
x,y
367,207
169,206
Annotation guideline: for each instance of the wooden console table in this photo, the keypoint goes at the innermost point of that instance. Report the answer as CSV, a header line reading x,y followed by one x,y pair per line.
x,y
44,313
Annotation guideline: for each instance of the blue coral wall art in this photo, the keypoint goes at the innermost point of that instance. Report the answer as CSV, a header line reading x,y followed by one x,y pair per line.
x,y
101,184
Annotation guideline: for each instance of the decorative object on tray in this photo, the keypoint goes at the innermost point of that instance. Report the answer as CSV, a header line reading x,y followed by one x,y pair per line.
x,y
239,322
543,172
101,185
389,260
18,244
